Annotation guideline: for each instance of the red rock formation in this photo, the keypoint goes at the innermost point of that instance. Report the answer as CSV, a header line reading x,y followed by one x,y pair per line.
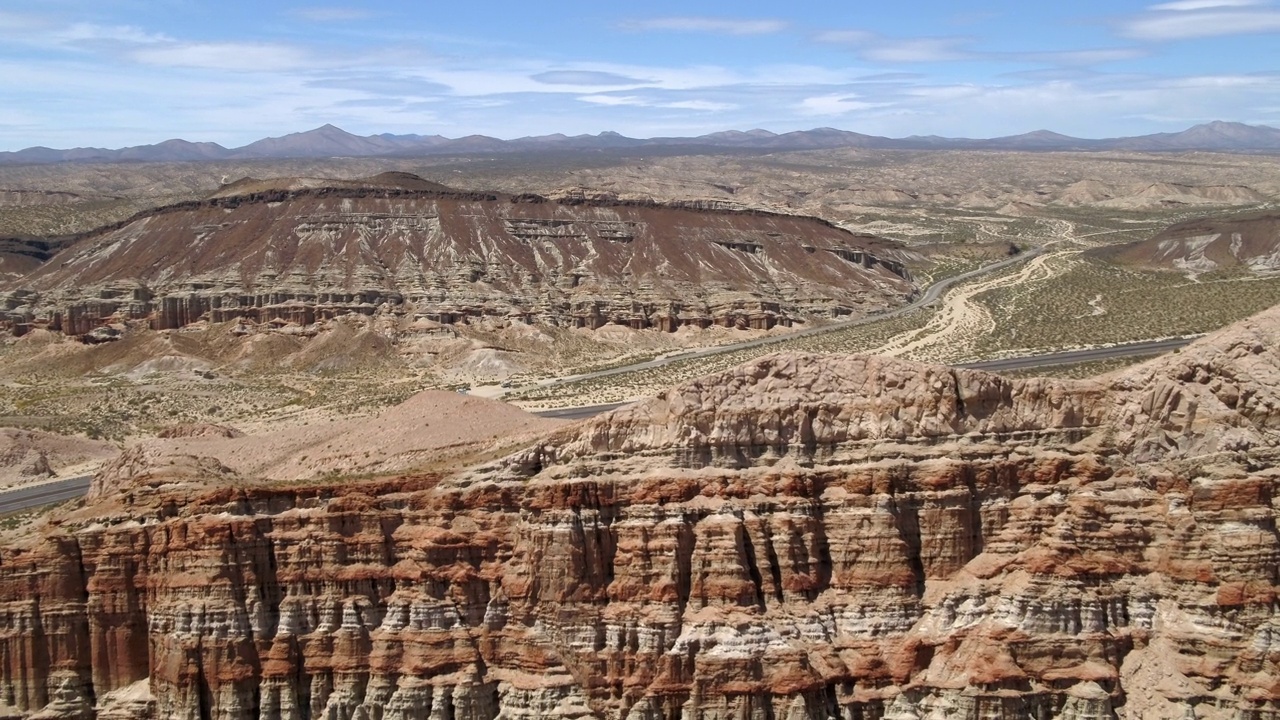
x,y
302,255
802,537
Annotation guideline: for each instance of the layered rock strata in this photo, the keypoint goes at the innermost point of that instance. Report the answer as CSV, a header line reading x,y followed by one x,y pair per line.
x,y
801,537
314,253
1250,242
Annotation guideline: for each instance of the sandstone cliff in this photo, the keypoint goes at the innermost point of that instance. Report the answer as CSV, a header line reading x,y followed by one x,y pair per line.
x,y
304,252
801,537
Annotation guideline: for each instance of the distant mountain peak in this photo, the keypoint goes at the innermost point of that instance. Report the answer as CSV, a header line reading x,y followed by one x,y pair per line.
x,y
329,140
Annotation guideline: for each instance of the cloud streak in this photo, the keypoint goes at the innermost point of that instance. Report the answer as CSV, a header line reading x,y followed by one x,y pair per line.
x,y
585,78
1205,4
229,56
1189,19
637,101
712,25
331,14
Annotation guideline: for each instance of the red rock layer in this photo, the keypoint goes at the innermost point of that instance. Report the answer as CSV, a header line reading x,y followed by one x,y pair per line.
x,y
313,254
802,537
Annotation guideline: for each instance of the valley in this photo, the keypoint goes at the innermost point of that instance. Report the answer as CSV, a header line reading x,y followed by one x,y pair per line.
x,y
770,475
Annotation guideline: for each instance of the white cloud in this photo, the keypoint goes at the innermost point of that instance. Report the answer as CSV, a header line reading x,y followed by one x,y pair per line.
x,y
837,104
881,49
878,48
700,105
235,57
1184,5
12,22
917,50
719,26
331,14
634,101
1085,57
1184,19
612,100
1183,25
585,78
88,32
845,37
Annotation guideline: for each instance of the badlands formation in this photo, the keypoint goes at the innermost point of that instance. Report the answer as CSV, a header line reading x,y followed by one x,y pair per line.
x,y
800,537
294,253
1201,245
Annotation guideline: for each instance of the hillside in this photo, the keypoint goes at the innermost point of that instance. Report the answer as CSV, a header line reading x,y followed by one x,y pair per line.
x,y
299,252
1250,242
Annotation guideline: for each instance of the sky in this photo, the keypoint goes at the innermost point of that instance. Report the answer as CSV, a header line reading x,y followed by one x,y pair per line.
x,y
113,73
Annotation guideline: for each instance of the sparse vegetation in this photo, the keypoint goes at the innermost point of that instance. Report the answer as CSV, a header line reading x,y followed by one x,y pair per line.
x,y
954,211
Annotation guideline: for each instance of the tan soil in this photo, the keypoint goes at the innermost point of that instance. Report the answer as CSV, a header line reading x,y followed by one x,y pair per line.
x,y
431,428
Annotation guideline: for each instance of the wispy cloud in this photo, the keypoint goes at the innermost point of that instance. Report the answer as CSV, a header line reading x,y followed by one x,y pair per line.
x,y
637,101
331,14
719,26
832,105
918,50
234,57
13,22
1205,4
1083,57
89,33
700,105
392,84
584,78
1186,19
878,48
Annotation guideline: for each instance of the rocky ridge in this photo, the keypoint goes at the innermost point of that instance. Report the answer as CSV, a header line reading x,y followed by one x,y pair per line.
x,y
1250,242
403,247
800,537
331,141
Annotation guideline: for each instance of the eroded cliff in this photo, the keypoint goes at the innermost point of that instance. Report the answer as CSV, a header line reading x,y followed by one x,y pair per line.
x,y
307,253
801,537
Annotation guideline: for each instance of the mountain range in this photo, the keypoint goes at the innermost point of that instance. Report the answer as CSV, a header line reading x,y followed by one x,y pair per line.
x,y
331,141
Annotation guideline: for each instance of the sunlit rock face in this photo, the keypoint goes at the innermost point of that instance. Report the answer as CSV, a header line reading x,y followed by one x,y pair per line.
x,y
302,255
800,537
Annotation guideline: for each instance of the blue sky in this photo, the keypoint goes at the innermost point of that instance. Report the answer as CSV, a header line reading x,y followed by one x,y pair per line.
x,y
121,72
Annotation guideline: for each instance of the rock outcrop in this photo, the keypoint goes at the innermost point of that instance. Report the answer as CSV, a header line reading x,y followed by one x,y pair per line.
x,y
306,253
29,455
1250,242
801,537
20,256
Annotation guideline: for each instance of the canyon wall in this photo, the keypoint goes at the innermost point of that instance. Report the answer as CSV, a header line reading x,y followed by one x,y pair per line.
x,y
311,254
800,537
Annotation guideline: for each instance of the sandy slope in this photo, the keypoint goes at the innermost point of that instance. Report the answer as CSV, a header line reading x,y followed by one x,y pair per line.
x,y
28,456
429,429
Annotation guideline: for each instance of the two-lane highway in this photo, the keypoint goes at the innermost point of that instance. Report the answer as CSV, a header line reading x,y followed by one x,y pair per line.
x,y
1023,362
1076,357
25,498
931,295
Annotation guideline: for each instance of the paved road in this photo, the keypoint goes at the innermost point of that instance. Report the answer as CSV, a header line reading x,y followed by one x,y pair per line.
x,y
1075,357
1025,362
30,497
931,295
577,413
